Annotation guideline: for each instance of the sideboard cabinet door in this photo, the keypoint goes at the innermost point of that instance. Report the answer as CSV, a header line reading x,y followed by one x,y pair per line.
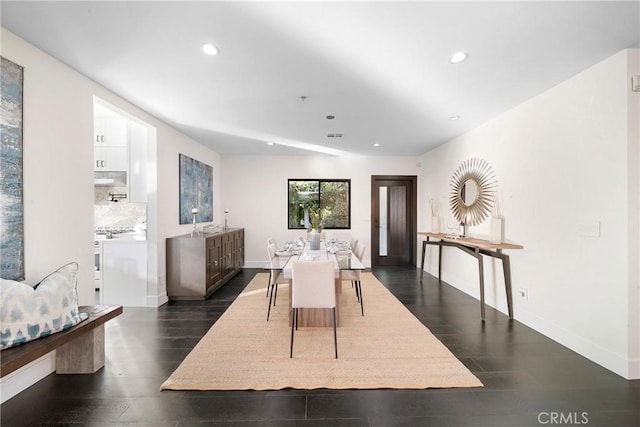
x,y
214,254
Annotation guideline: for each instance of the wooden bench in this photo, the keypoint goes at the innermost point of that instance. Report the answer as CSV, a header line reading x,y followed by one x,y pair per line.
x,y
79,349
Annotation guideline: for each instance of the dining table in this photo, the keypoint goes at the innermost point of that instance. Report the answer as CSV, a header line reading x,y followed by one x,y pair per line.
x,y
331,249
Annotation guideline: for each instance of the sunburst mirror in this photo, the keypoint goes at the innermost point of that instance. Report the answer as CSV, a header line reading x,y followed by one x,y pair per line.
x,y
472,195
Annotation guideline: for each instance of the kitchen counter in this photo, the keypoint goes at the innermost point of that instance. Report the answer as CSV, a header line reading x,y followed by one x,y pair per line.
x,y
121,236
124,270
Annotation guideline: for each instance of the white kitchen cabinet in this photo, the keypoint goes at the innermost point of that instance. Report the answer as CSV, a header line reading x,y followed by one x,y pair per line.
x,y
110,159
124,272
110,131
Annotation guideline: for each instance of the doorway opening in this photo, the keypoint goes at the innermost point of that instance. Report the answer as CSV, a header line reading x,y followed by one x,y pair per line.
x,y
125,207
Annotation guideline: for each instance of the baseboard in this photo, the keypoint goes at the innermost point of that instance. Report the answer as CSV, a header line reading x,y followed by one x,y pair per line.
x,y
626,368
634,369
158,300
28,375
604,357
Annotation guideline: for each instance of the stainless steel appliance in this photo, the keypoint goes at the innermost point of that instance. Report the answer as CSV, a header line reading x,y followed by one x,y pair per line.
x,y
98,276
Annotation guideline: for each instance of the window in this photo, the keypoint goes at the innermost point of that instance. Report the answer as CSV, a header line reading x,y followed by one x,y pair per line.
x,y
330,198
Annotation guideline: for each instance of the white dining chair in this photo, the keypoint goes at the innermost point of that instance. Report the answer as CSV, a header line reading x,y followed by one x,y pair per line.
x,y
313,286
354,275
278,252
270,241
275,277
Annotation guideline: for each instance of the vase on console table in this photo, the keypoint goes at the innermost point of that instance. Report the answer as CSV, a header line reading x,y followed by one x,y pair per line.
x,y
435,224
314,239
497,230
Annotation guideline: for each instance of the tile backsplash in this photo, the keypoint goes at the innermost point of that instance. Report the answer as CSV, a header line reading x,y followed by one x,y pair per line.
x,y
117,214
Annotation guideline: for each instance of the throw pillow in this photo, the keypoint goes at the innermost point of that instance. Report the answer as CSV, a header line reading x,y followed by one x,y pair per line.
x,y
28,313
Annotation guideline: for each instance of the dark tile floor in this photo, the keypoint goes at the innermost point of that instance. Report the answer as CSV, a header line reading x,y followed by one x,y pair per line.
x,y
529,379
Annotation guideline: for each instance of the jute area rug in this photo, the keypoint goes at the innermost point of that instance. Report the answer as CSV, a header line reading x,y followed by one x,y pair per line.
x,y
387,348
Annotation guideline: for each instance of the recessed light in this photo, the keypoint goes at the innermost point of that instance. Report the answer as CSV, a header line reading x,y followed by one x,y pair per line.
x,y
454,118
269,143
331,117
209,49
458,57
376,144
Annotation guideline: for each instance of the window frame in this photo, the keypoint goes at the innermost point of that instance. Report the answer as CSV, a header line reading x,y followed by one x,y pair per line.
x,y
320,181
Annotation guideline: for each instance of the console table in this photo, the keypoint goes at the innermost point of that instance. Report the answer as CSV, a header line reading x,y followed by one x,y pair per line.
x,y
476,248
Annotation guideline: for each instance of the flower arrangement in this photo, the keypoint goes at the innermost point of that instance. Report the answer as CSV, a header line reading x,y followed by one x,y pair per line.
x,y
497,221
435,221
434,207
315,219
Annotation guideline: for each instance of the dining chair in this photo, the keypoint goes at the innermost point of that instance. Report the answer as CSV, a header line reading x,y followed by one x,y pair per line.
x,y
353,244
278,252
354,275
275,277
313,286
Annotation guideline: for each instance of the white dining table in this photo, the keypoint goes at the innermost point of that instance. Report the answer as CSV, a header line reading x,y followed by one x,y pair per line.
x,y
344,260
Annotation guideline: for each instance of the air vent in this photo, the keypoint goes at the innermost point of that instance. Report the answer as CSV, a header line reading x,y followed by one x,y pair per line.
x,y
334,135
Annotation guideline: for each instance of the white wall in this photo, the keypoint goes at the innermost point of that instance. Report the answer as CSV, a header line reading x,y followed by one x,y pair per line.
x,y
58,173
633,115
562,165
256,194
170,144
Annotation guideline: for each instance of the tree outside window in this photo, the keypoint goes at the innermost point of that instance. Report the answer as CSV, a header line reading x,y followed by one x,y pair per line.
x,y
330,198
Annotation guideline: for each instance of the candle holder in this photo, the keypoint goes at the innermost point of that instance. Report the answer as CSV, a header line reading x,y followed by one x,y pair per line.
x,y
226,226
194,212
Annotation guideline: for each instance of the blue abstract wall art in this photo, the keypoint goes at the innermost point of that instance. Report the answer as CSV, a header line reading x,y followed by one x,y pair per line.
x,y
196,190
11,180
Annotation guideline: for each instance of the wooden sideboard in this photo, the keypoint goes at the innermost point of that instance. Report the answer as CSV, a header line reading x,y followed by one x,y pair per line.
x,y
199,264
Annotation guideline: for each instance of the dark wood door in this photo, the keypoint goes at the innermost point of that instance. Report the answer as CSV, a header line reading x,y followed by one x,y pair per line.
x,y
393,220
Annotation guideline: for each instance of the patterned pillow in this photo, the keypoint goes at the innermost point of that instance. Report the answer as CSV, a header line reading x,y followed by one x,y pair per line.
x,y
51,306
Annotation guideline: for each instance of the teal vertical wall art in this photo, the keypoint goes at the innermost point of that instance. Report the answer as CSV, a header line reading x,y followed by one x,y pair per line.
x,y
11,179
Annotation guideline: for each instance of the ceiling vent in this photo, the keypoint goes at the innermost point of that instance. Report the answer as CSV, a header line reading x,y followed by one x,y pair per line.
x,y
334,135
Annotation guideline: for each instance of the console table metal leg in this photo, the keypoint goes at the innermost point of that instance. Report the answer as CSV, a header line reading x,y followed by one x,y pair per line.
x,y
506,268
481,273
439,263
424,248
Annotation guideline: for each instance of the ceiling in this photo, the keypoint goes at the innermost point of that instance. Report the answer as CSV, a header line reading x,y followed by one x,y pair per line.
x,y
380,68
